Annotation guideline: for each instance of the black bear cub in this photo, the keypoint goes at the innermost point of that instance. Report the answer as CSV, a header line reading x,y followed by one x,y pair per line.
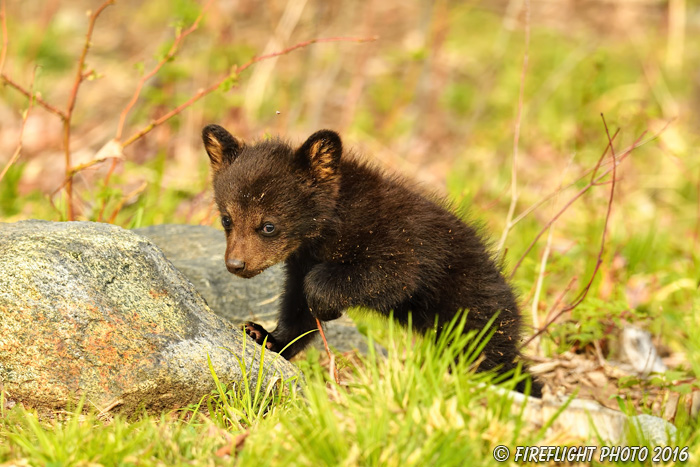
x,y
350,235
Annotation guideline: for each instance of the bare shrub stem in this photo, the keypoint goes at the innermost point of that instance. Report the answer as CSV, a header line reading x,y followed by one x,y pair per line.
x,y
599,260
235,72
168,57
116,145
516,134
25,116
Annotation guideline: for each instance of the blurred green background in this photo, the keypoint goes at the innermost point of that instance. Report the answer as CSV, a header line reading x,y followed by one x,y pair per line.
x,y
434,97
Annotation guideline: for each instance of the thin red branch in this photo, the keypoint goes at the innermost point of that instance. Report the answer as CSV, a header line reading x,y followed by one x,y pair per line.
x,y
560,297
581,192
599,260
79,78
235,72
87,165
60,113
168,56
549,320
609,146
86,74
303,44
331,360
111,150
18,149
7,80
559,190
162,119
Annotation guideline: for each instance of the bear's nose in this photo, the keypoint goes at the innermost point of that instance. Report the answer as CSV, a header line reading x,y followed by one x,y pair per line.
x,y
235,265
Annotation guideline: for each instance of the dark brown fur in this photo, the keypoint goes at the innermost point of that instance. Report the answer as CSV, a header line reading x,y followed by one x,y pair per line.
x,y
351,236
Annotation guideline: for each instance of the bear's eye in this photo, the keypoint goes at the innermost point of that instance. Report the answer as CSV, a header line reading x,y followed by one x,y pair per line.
x,y
226,222
268,229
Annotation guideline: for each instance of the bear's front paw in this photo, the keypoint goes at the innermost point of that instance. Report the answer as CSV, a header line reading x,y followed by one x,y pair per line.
x,y
325,302
258,333
324,314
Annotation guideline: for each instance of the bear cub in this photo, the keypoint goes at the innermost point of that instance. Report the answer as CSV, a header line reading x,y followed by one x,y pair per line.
x,y
351,236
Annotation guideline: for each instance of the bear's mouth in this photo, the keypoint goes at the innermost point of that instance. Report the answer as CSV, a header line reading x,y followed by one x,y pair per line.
x,y
247,273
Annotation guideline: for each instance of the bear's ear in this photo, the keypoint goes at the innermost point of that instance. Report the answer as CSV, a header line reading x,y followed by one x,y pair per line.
x,y
321,154
222,146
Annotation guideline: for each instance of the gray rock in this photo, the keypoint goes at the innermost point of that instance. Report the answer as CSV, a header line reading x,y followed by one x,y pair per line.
x,y
637,346
94,310
589,420
198,252
656,430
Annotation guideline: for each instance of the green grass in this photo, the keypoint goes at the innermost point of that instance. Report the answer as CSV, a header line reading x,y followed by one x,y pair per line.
x,y
406,409
416,406
85,439
430,407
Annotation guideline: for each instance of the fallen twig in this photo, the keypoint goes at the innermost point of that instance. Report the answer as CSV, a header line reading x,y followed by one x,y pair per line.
x,y
331,358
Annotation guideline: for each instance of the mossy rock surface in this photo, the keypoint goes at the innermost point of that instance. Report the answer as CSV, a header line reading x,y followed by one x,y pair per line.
x,y
198,252
96,311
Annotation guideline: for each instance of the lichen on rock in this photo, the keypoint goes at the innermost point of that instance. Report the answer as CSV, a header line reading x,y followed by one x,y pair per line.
x,y
93,310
